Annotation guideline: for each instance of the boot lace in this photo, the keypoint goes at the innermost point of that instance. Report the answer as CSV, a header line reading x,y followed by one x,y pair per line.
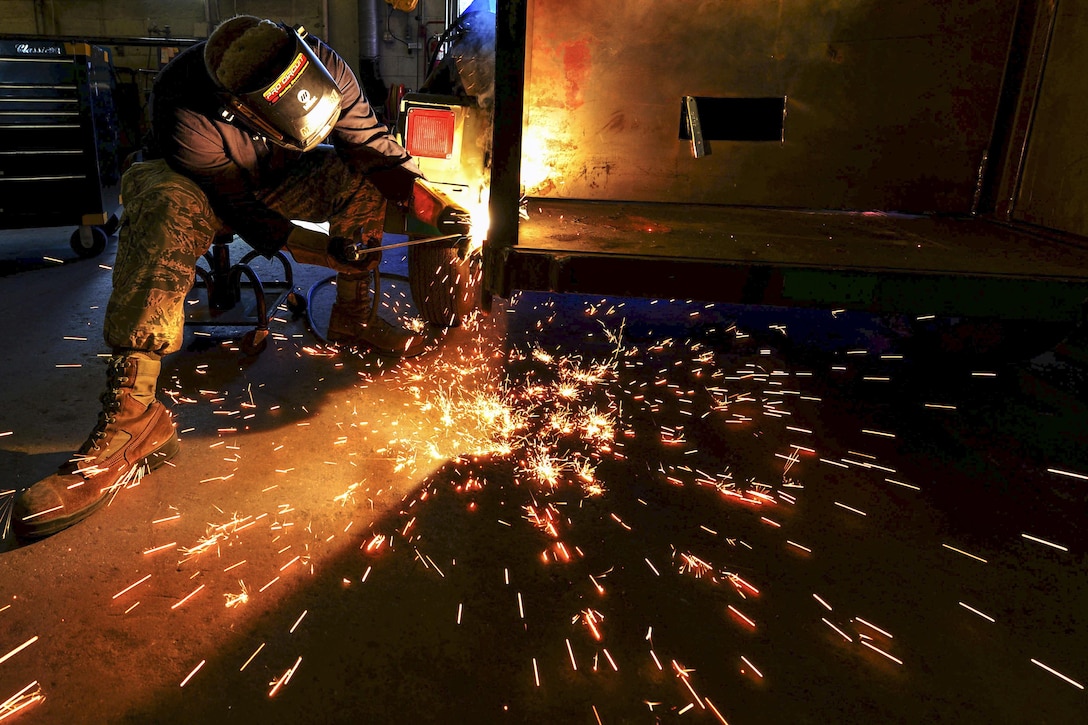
x,y
111,400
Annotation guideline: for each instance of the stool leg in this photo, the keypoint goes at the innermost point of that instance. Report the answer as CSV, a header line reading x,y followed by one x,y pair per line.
x,y
256,340
236,273
223,291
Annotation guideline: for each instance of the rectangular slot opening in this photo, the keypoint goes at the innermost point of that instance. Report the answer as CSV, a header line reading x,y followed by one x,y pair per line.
x,y
736,119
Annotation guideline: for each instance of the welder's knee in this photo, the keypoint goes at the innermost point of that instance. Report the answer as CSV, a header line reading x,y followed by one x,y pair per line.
x,y
152,187
165,210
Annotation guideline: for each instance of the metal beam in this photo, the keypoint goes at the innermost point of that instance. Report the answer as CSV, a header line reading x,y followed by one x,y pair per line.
x,y
729,281
510,39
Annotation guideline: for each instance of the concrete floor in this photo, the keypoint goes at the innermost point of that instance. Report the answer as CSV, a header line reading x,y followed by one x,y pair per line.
x,y
574,510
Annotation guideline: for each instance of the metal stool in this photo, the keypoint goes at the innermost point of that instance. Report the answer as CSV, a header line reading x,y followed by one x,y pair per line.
x,y
224,284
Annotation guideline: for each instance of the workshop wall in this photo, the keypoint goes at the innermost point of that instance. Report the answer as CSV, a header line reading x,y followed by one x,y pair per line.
x,y
404,35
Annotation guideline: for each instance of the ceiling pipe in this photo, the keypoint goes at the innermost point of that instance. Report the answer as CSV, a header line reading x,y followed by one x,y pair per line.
x,y
370,50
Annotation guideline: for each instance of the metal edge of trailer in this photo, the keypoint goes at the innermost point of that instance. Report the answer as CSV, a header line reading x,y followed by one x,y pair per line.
x,y
1059,300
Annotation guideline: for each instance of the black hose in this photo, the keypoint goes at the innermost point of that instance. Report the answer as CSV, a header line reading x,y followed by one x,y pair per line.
x,y
329,278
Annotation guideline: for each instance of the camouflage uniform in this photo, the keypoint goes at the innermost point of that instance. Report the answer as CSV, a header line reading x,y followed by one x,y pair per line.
x,y
219,175
168,223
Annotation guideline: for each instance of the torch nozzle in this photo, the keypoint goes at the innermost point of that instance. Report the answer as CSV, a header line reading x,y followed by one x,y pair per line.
x,y
434,213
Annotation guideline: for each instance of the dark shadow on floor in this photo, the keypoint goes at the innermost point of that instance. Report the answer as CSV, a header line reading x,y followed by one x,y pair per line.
x,y
479,599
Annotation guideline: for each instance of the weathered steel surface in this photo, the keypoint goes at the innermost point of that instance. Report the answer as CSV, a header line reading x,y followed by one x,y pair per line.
x,y
890,105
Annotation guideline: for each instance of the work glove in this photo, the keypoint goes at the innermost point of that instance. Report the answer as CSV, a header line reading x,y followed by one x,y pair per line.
x,y
337,253
396,183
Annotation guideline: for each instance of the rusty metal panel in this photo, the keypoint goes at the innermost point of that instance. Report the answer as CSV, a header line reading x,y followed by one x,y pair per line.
x,y
1054,186
889,106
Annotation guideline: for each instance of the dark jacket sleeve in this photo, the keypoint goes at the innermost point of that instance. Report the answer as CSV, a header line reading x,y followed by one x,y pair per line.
x,y
363,140
202,154
223,159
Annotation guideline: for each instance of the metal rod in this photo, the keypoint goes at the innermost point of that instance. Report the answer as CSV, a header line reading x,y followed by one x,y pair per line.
x,y
360,250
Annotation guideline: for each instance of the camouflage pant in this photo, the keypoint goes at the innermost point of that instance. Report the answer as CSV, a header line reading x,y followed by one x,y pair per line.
x,y
168,224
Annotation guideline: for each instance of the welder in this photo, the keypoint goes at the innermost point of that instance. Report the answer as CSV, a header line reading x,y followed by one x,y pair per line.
x,y
260,125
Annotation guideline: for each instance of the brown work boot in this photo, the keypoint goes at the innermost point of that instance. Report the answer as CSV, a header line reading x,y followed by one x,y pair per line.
x,y
134,435
354,321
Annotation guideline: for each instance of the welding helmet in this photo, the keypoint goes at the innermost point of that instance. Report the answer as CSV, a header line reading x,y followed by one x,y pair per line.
x,y
270,80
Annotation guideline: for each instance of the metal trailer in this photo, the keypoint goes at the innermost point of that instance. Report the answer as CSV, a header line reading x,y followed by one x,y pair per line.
x,y
59,140
894,157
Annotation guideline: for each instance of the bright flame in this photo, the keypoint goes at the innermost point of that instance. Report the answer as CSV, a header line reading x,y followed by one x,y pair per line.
x,y
480,219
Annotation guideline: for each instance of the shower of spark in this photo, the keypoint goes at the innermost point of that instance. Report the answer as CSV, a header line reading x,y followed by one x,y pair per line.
x,y
24,698
630,479
7,503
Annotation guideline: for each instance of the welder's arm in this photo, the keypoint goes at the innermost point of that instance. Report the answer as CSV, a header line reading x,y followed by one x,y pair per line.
x,y
309,246
366,143
397,183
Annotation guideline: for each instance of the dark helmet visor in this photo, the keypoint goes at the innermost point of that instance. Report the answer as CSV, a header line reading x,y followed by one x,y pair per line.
x,y
299,107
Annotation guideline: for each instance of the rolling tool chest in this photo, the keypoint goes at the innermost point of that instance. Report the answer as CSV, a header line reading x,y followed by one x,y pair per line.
x,y
59,140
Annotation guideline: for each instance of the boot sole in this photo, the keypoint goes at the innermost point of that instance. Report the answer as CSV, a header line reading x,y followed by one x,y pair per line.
x,y
28,531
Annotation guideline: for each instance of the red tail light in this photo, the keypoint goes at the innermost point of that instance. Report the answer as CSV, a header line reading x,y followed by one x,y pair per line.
x,y
429,132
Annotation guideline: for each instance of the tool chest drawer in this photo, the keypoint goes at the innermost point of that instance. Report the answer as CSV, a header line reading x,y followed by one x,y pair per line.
x,y
59,135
